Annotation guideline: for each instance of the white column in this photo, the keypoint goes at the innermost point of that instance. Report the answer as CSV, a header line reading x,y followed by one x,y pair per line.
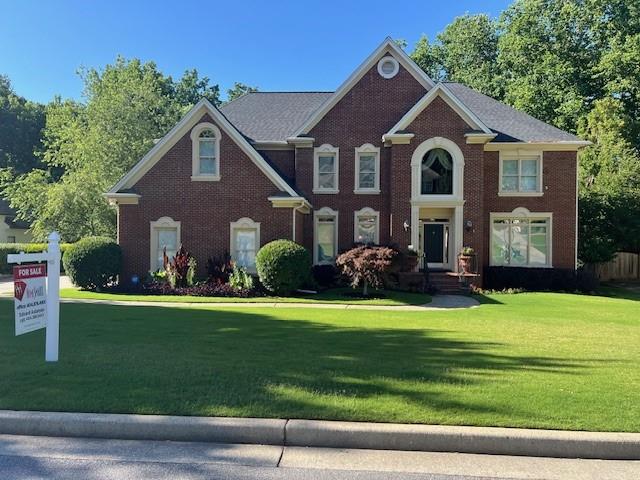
x,y
53,298
415,228
458,235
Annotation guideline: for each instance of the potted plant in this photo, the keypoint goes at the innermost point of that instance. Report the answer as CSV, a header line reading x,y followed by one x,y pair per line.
x,y
411,261
465,258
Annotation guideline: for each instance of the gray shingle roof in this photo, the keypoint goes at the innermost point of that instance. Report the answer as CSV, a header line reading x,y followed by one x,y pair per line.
x,y
510,124
272,116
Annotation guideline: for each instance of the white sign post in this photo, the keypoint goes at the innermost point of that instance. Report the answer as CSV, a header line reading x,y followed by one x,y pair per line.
x,y
31,295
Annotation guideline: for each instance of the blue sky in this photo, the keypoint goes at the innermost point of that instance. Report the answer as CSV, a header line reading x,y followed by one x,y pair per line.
x,y
288,45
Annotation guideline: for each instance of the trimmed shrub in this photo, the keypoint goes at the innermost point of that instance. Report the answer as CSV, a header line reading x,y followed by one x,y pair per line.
x,y
539,279
7,248
93,263
283,266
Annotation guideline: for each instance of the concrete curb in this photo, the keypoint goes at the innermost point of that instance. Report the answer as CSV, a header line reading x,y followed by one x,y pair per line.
x,y
328,434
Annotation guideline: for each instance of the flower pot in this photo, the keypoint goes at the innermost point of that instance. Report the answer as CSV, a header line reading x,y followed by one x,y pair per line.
x,y
411,263
464,262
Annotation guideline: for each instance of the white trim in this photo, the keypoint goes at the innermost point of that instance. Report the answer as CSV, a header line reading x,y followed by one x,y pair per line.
x,y
474,138
397,138
571,145
244,223
180,129
290,202
272,145
161,223
367,149
122,198
195,152
519,155
440,90
523,213
388,46
324,212
393,61
317,153
458,170
301,142
366,212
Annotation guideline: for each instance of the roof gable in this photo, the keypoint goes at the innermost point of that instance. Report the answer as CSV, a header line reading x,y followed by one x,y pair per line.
x,y
388,46
180,129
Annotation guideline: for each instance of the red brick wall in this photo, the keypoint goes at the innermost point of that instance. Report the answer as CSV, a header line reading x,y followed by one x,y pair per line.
x,y
559,187
362,116
283,161
205,209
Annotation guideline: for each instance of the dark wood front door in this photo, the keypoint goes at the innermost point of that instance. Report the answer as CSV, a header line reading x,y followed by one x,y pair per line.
x,y
434,239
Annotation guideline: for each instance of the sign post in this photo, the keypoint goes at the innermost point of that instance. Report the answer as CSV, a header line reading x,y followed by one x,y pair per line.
x,y
37,306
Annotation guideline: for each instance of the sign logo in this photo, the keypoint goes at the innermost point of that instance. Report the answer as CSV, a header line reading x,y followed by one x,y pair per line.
x,y
19,288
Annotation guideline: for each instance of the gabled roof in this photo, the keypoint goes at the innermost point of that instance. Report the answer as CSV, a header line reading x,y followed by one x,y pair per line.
x,y
272,116
441,91
180,129
509,124
387,46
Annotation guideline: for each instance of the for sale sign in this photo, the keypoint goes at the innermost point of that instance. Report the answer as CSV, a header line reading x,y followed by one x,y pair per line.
x,y
30,292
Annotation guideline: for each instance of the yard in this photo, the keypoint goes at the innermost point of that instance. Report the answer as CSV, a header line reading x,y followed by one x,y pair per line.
x,y
527,360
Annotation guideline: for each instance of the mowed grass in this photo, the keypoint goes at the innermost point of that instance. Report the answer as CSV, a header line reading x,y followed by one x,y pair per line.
x,y
529,360
341,296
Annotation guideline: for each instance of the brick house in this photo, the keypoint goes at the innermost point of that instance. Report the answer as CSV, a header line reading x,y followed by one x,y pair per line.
x,y
390,157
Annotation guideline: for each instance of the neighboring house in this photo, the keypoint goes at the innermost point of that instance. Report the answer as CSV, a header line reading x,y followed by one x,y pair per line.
x,y
12,230
391,157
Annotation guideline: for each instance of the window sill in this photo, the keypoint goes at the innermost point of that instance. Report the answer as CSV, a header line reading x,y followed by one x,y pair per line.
x,y
322,192
367,192
205,178
520,194
520,266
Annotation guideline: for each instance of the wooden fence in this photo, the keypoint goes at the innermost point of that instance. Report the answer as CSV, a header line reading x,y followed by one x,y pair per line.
x,y
625,266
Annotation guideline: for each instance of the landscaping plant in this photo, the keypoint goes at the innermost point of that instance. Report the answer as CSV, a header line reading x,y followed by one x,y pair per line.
x,y
219,268
366,266
283,266
240,279
93,263
181,269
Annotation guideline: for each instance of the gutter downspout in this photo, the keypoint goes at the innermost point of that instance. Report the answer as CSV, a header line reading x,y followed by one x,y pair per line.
x,y
296,210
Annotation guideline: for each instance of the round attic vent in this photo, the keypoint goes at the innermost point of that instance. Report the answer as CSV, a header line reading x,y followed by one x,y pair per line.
x,y
388,67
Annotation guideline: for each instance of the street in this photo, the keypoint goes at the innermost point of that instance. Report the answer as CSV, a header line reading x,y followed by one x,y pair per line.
x,y
24,457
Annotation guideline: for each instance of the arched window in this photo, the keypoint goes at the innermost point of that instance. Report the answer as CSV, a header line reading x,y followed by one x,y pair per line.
x,y
436,173
205,139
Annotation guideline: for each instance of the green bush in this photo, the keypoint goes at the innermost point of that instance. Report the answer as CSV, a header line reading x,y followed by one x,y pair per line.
x,y
93,262
283,266
7,248
240,279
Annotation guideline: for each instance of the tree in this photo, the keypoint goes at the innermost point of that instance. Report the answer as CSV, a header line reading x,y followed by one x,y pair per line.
x,y
238,90
366,266
190,89
21,124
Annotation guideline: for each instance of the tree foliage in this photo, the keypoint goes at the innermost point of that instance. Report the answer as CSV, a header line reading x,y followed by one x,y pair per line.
x,y
238,90
366,266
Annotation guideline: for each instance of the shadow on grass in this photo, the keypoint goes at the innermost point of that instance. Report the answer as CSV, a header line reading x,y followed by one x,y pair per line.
x,y
624,290
207,362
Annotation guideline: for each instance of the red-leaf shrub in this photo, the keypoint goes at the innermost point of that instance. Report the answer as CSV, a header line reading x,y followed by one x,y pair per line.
x,y
366,266
181,269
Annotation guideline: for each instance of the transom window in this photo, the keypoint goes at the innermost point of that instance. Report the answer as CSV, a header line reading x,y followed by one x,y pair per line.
x,y
367,169
165,237
205,139
245,242
326,236
325,169
521,242
366,226
521,174
437,173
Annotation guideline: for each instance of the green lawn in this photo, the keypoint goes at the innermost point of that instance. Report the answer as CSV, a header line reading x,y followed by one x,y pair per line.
x,y
528,360
335,295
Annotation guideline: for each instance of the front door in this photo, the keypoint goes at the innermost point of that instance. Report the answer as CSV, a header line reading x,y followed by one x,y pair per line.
x,y
435,244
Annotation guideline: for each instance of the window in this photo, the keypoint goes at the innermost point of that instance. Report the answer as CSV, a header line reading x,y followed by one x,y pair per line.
x,y
367,176
365,228
325,169
325,236
205,143
165,236
388,67
245,242
520,174
521,241
437,173
11,239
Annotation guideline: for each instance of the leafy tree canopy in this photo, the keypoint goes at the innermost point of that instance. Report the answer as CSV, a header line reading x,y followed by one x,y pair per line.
x,y
238,90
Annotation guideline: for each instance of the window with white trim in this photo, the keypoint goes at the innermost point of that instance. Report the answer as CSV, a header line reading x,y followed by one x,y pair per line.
x,y
366,226
367,167
205,138
521,241
165,238
325,236
325,169
245,242
520,174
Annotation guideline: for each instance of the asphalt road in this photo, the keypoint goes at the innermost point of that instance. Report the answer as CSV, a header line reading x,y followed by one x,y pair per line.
x,y
23,457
